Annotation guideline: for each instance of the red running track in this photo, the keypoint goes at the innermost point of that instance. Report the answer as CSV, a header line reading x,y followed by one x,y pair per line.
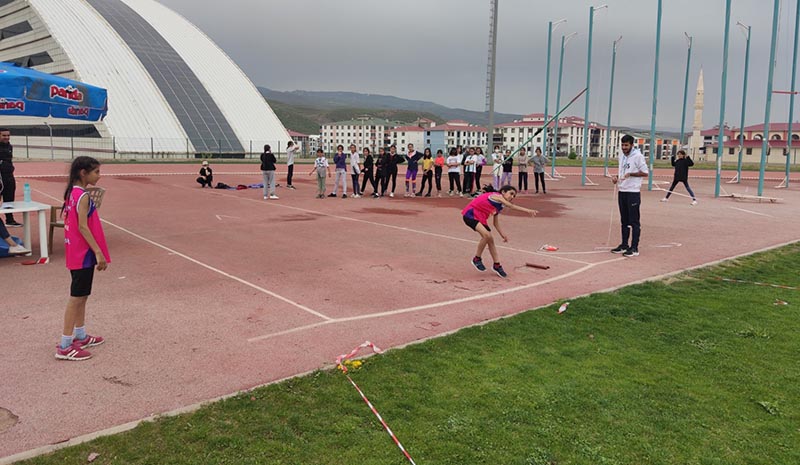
x,y
213,291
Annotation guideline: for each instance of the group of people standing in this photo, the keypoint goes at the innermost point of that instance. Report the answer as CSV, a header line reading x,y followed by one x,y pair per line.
x,y
461,164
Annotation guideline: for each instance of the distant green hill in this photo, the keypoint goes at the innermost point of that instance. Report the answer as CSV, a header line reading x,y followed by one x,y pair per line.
x,y
302,110
308,120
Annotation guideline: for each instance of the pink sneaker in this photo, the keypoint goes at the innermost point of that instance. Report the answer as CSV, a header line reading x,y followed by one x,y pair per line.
x,y
90,341
73,352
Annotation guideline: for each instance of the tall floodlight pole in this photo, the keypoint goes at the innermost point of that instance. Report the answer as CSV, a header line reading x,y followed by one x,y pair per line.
x,y
723,87
686,85
588,82
746,30
610,101
653,145
792,93
551,26
771,75
491,74
564,40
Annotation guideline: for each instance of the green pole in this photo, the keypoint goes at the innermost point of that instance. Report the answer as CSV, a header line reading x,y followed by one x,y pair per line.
x,y
586,105
686,86
744,104
771,75
721,134
558,105
547,83
653,146
610,100
791,96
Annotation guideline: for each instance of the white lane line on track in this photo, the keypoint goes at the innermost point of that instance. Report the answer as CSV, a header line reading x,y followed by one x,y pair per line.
x,y
209,267
752,212
400,228
436,304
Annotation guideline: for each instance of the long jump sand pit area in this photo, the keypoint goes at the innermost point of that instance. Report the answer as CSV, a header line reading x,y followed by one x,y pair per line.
x,y
215,291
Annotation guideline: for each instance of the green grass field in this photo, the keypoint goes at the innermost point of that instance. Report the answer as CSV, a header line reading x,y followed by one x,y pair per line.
x,y
691,370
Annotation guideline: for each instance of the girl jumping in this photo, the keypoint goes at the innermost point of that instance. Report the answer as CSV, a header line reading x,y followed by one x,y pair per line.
x,y
476,215
85,248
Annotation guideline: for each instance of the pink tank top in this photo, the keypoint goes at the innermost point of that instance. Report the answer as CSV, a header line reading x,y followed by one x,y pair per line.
x,y
78,253
482,207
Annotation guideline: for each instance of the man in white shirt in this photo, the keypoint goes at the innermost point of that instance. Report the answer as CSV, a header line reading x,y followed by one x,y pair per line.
x,y
632,168
291,149
355,170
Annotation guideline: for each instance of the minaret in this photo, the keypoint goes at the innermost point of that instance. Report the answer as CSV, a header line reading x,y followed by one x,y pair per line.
x,y
696,140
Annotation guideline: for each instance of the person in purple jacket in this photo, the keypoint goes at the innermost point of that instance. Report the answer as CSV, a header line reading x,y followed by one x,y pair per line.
x,y
413,157
340,161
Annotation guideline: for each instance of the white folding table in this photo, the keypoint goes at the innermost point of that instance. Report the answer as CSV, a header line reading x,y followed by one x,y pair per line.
x,y
26,208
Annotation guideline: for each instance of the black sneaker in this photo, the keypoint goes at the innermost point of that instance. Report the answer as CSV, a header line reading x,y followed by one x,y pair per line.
x,y
478,263
631,252
13,223
344,196
622,248
499,270
332,194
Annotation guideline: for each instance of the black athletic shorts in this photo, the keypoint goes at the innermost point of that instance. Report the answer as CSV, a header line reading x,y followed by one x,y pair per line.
x,y
473,223
81,282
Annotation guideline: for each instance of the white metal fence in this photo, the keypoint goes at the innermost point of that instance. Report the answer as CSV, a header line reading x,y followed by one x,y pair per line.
x,y
143,148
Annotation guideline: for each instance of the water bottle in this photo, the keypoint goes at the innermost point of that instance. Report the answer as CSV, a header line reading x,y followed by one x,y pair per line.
x,y
26,192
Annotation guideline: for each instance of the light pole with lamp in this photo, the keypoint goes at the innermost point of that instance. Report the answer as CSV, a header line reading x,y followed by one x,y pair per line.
x,y
551,26
52,157
768,104
746,30
610,101
686,85
724,86
653,145
588,82
564,40
792,94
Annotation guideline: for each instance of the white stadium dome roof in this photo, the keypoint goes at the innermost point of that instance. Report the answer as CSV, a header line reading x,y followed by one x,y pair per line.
x,y
168,83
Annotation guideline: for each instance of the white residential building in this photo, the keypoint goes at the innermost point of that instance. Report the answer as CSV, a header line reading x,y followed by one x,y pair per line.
x,y
569,137
363,131
404,135
454,133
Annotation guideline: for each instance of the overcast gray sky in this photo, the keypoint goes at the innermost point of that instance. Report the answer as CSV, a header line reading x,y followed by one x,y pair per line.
x,y
436,50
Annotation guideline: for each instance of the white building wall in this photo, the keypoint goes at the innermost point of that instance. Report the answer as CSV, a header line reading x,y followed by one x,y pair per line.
x,y
246,110
106,61
402,138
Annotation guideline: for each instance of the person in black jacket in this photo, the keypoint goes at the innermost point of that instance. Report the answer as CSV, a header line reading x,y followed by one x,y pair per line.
x,y
394,159
681,164
8,185
268,172
369,162
206,178
381,176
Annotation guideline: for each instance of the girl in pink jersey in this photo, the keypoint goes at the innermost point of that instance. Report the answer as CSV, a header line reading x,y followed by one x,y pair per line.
x,y
476,215
85,248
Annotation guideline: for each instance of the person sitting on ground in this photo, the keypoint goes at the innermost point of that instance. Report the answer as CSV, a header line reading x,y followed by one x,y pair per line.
x,y
206,175
13,247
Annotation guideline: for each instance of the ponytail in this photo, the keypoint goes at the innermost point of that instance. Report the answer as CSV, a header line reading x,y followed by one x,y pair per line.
x,y
79,164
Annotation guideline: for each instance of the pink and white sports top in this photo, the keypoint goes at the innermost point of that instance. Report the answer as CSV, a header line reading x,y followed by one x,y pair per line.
x,y
482,207
79,254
